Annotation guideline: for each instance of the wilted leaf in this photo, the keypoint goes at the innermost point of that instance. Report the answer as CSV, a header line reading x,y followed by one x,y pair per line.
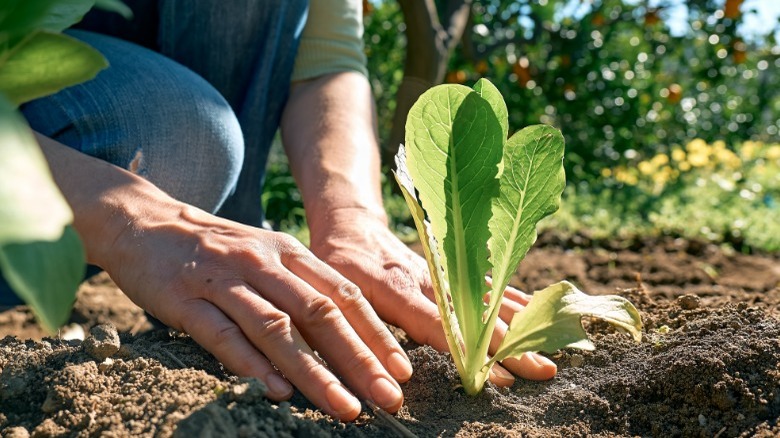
x,y
553,320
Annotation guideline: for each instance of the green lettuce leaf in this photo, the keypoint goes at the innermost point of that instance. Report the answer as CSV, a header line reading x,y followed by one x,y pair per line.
x,y
531,184
553,320
454,146
430,249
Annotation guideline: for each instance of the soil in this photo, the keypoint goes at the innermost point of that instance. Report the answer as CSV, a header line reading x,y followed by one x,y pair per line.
x,y
708,365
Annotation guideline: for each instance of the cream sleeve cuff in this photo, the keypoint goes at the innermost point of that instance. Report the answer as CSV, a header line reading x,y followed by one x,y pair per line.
x,y
332,40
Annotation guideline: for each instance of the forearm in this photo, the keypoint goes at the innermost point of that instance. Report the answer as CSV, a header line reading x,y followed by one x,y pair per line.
x,y
329,133
105,199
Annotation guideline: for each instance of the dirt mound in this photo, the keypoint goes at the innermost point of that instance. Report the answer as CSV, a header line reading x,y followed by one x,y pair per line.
x,y
707,366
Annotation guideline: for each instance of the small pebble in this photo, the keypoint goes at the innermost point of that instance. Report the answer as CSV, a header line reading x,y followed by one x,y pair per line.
x,y
576,360
105,365
688,302
72,332
103,341
247,390
702,420
16,432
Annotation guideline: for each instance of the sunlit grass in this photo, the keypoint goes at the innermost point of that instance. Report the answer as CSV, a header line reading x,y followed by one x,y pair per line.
x,y
700,190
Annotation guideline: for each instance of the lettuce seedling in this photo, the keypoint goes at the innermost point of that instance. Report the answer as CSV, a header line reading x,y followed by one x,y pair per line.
x,y
476,198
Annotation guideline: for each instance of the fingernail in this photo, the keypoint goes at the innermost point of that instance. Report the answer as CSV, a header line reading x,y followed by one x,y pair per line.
x,y
385,394
399,367
540,360
340,400
503,374
278,385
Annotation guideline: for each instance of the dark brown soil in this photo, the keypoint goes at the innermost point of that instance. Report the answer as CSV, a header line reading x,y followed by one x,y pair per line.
x,y
708,364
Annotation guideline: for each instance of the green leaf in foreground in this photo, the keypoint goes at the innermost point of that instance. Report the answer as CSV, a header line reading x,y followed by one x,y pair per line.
x,y
31,206
553,320
41,256
45,63
46,275
115,6
62,14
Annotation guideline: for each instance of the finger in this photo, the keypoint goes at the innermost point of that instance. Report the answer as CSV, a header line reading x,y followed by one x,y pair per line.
x,y
531,366
356,309
516,295
500,376
325,328
272,331
210,328
512,301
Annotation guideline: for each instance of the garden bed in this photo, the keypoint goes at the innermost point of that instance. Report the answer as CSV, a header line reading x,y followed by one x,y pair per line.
x,y
707,366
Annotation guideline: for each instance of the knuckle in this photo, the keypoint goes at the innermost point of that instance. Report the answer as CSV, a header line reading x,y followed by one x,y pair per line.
x,y
348,296
291,249
226,333
320,311
276,327
363,360
400,278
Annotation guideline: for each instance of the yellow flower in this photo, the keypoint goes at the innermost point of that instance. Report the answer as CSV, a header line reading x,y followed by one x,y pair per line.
x,y
678,154
645,168
699,158
606,172
660,160
684,166
697,145
626,176
728,158
773,153
748,149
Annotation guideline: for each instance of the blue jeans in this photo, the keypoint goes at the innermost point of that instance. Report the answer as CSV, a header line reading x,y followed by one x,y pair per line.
x,y
200,103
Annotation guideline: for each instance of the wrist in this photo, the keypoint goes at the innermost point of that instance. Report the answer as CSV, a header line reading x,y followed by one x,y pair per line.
x,y
328,220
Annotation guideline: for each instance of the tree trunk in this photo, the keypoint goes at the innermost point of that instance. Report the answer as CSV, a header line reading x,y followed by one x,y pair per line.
x,y
428,49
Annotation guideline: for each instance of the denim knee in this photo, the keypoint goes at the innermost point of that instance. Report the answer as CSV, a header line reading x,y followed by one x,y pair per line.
x,y
152,116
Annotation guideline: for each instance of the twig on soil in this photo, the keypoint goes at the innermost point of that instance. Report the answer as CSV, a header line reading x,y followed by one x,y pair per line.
x,y
390,421
720,432
174,358
137,326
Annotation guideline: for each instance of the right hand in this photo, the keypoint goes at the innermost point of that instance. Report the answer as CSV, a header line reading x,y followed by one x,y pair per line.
x,y
262,304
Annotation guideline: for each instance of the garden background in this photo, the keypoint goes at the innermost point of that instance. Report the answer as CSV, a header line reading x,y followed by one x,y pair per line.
x,y
670,109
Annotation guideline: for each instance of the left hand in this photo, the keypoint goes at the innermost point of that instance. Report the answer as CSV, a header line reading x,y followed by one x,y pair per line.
x,y
396,282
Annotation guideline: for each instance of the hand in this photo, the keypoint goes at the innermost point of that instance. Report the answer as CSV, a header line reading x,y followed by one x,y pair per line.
x,y
261,303
396,282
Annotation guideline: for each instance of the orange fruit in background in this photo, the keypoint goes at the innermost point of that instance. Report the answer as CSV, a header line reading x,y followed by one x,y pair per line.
x,y
481,67
598,19
523,73
738,51
456,77
675,93
368,8
652,18
731,9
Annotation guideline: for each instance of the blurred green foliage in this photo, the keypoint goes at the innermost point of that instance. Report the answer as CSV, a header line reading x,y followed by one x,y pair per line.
x,y
609,73
709,191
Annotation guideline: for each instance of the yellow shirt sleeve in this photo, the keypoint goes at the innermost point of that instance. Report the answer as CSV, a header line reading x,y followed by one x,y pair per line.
x,y
332,40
